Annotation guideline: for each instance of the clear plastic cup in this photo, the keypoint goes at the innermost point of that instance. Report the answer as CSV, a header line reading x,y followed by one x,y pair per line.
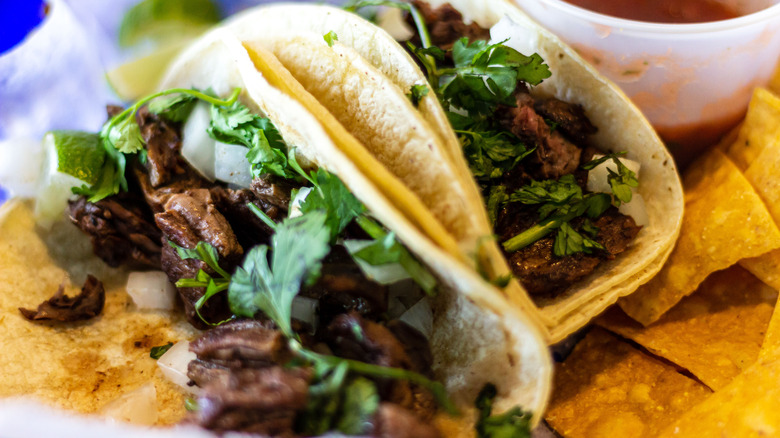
x,y
692,81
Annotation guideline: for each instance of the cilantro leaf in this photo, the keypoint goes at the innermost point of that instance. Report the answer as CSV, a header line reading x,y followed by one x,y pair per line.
x,y
490,154
568,241
330,38
621,182
496,198
125,135
361,400
514,423
206,253
175,108
157,352
331,196
299,245
416,93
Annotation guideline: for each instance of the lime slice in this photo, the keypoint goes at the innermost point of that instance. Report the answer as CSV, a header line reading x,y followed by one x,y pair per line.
x,y
72,159
139,78
79,154
161,20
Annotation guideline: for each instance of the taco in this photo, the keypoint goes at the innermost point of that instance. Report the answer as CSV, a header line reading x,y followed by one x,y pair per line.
x,y
223,169
526,136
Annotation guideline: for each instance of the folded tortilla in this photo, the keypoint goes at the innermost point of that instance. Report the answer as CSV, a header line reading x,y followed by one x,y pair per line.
x,y
362,79
477,338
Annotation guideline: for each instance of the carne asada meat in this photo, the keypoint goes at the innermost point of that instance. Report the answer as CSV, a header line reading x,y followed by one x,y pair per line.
x,y
163,145
392,421
121,229
189,218
545,275
554,156
250,229
446,25
568,118
60,307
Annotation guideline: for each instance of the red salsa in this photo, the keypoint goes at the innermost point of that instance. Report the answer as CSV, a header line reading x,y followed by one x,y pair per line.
x,y
661,11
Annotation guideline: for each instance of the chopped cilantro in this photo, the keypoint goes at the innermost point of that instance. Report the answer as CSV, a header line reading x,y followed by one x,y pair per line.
x,y
299,245
514,423
497,196
175,108
191,405
157,352
621,181
206,253
334,198
361,400
330,38
416,93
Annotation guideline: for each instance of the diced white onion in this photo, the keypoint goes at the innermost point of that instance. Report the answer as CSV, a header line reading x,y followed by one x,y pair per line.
x,y
295,204
151,290
173,365
305,309
196,145
54,187
383,274
636,209
420,316
522,39
137,407
597,177
392,21
406,291
231,165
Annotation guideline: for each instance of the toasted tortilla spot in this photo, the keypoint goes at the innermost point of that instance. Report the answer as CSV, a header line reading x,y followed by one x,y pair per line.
x,y
607,388
80,366
725,221
732,303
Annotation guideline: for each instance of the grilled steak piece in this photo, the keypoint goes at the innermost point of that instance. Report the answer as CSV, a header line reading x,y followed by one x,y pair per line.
x,y
554,156
392,421
86,305
446,25
568,118
543,274
189,218
121,229
242,343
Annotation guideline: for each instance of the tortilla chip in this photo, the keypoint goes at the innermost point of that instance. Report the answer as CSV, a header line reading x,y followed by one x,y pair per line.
x,y
772,339
80,366
774,81
607,388
747,407
766,267
715,333
760,128
725,221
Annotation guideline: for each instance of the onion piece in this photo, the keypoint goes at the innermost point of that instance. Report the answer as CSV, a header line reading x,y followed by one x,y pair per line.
x,y
523,39
151,290
295,203
420,317
137,407
305,309
392,21
383,274
231,164
196,145
173,365
636,209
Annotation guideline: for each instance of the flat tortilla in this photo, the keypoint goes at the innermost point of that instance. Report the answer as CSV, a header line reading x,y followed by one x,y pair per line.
x,y
608,388
715,333
79,366
725,221
373,107
467,312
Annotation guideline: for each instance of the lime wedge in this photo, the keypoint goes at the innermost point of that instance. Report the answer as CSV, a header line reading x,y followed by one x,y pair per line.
x,y
71,159
161,20
140,77
79,154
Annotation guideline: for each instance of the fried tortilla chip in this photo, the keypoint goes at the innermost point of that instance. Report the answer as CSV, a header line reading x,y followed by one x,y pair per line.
x,y
725,221
81,366
766,267
608,388
760,128
716,333
772,339
747,407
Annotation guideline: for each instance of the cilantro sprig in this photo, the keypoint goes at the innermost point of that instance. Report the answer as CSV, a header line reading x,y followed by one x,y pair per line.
x,y
514,423
621,182
206,253
121,137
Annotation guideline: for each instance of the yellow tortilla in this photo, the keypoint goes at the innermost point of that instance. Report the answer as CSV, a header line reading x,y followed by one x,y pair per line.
x,y
373,107
607,388
725,221
716,333
772,339
468,312
79,366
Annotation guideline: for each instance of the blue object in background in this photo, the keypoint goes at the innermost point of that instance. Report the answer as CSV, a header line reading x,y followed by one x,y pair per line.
x,y
17,19
3,195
